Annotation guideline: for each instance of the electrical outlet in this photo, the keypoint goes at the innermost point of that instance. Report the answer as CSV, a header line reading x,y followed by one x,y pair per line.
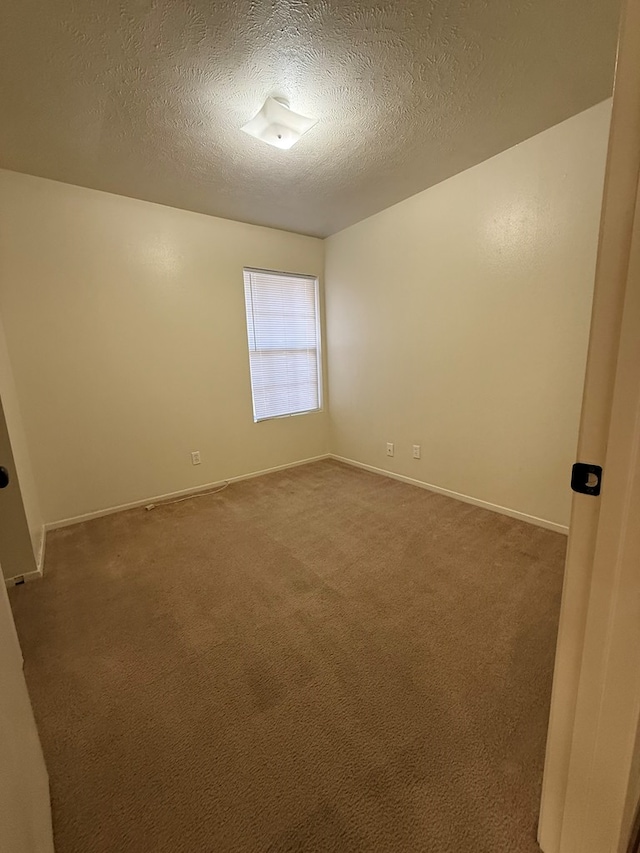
x,y
390,450
195,457
416,451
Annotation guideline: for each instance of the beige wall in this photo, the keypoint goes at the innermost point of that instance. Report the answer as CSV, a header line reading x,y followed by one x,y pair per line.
x,y
21,497
126,329
458,320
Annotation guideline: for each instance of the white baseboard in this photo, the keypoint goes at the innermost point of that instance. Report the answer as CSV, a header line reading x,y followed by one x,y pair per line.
x,y
157,499
503,510
41,549
37,573
27,578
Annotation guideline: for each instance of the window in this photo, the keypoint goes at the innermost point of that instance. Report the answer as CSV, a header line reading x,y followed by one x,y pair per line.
x,y
283,328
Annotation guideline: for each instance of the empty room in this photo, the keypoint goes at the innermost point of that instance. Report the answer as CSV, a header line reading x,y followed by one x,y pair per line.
x,y
305,402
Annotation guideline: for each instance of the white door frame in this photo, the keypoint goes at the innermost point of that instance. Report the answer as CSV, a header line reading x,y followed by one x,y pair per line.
x,y
586,799
25,811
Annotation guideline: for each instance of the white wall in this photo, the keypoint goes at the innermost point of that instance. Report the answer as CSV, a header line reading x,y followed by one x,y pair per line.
x,y
458,320
125,326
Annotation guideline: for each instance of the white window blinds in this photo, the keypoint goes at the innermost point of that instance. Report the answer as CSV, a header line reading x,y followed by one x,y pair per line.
x,y
284,343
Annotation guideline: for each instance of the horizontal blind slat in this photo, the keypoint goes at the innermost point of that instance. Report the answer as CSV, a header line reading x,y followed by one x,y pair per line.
x,y
283,337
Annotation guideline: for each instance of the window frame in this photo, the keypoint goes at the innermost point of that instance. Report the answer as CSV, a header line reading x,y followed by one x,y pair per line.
x,y
320,362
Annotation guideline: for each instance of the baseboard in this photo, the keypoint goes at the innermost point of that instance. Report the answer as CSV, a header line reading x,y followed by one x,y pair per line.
x,y
41,549
37,573
156,499
278,468
503,510
78,519
27,578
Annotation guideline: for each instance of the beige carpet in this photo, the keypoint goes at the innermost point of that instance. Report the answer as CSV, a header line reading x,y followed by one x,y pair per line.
x,y
318,660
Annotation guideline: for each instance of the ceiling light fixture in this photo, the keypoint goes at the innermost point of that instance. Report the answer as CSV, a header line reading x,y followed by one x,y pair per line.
x,y
278,125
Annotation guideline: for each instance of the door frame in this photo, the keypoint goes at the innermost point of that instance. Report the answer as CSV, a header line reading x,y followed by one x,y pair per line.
x,y
601,768
25,804
599,614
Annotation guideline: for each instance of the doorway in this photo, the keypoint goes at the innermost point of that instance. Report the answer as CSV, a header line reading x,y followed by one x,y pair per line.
x,y
16,550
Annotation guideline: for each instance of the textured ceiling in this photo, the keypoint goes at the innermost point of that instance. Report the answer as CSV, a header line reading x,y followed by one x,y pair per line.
x,y
146,98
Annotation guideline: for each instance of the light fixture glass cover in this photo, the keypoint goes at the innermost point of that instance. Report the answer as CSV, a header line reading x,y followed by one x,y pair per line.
x,y
278,125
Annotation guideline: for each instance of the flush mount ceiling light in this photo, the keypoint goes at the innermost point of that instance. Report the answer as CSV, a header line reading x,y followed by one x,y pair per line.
x,y
278,125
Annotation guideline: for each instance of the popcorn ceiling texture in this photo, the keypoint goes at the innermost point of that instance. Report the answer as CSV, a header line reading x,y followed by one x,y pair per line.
x,y
146,98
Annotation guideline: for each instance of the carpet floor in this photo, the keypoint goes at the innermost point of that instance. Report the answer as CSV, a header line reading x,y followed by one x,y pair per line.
x,y
321,660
